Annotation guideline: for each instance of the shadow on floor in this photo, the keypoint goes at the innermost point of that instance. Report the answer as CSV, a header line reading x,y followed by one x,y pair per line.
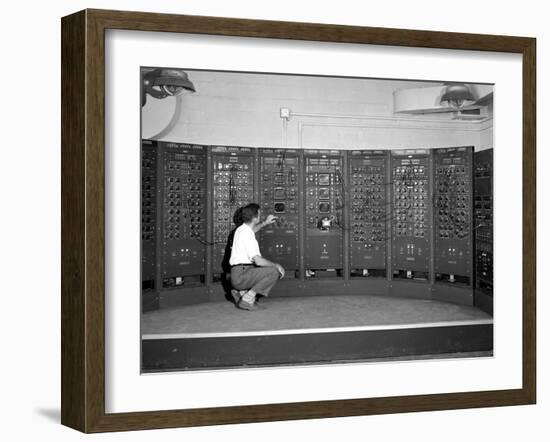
x,y
52,414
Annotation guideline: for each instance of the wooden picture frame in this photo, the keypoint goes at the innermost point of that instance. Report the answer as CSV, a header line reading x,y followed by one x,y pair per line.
x,y
83,220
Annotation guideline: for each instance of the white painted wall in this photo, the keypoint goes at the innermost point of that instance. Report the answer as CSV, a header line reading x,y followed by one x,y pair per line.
x,y
486,137
243,109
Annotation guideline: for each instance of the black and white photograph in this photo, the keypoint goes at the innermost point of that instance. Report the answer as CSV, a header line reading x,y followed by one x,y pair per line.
x,y
275,221
300,219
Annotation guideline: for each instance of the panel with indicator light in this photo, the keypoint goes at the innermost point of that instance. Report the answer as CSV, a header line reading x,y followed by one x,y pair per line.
x,y
148,213
367,193
233,187
452,199
324,212
184,215
483,220
279,195
411,214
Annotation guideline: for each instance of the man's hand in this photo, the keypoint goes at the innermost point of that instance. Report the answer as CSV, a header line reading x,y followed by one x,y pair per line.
x,y
270,220
280,269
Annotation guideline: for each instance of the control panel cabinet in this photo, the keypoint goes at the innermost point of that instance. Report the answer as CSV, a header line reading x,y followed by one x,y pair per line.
x,y
233,187
183,215
453,214
324,216
483,220
279,195
411,213
148,213
367,204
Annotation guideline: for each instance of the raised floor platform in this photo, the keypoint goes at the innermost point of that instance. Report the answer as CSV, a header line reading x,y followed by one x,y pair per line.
x,y
309,330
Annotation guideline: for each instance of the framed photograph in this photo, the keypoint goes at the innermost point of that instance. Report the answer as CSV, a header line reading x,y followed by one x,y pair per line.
x,y
268,220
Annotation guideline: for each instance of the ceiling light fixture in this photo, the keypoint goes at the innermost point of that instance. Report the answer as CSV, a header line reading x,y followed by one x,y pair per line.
x,y
161,83
457,95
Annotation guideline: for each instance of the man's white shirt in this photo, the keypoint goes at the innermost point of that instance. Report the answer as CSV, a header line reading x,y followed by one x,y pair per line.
x,y
245,246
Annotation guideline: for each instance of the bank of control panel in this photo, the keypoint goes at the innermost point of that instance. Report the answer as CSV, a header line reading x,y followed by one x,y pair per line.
x,y
349,214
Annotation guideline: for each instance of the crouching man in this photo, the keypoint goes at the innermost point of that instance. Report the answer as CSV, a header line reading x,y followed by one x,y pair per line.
x,y
251,274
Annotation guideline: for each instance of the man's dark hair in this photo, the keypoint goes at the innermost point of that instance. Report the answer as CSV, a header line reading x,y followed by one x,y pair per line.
x,y
238,216
249,212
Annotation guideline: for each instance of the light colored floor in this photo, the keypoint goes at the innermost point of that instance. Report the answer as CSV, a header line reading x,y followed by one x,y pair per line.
x,y
305,315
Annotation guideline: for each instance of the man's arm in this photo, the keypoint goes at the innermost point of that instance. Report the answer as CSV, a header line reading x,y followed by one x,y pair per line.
x,y
260,261
269,220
